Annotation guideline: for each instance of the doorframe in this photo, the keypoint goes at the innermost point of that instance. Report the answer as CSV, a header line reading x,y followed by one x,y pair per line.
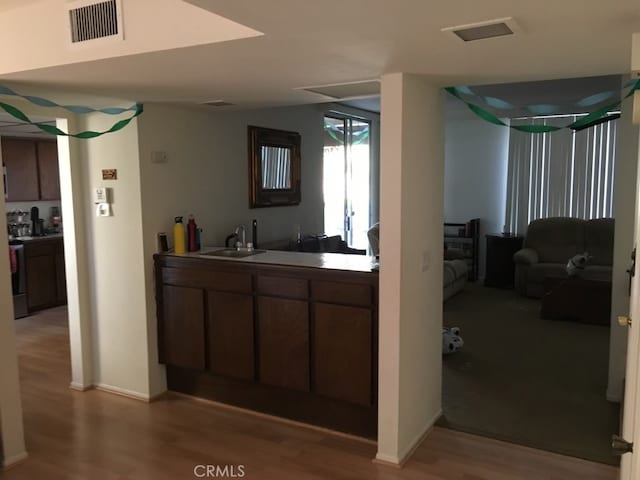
x,y
70,170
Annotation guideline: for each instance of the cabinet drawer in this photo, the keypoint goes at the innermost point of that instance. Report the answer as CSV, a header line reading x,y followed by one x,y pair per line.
x,y
220,281
283,287
37,249
342,293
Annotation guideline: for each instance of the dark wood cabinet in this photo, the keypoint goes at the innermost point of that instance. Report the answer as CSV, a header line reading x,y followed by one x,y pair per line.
x,y
500,269
21,163
343,353
230,334
45,273
32,169
296,342
183,327
283,342
48,174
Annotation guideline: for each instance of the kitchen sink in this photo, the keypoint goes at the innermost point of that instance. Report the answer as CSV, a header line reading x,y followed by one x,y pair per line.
x,y
233,253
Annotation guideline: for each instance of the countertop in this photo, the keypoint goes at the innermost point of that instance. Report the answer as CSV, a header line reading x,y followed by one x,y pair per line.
x,y
35,239
331,261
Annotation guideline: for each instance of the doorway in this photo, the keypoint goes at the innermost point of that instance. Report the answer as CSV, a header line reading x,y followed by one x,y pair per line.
x,y
346,178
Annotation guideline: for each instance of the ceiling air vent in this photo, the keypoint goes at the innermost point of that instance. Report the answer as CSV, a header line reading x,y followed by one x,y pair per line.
x,y
481,30
93,20
367,88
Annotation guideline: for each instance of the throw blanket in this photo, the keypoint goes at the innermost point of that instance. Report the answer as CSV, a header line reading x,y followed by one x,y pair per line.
x,y
13,259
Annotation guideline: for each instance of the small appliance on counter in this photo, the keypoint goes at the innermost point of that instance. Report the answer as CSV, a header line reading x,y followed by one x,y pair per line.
x,y
37,224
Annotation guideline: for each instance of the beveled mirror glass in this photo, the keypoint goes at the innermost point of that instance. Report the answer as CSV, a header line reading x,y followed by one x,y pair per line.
x,y
274,167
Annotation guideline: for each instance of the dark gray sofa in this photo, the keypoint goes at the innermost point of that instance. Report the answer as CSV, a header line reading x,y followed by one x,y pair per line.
x,y
550,243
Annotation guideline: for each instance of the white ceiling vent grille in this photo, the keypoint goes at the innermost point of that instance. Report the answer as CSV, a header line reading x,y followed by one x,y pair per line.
x,y
95,20
482,30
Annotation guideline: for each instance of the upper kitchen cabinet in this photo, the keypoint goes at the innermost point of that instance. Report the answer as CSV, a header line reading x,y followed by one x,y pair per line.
x,y
31,169
21,163
48,170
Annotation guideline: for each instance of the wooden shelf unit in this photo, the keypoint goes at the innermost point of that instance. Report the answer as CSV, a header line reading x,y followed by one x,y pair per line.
x,y
465,237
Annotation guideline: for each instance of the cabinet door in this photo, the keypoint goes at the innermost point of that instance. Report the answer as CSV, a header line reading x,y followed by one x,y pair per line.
x,y
182,336
230,334
19,157
283,342
48,170
41,281
61,280
343,352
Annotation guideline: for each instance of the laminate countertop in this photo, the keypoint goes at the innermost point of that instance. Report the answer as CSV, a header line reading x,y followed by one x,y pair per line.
x,y
330,261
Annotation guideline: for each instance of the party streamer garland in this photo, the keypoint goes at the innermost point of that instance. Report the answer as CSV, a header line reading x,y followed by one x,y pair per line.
x,y
597,116
15,112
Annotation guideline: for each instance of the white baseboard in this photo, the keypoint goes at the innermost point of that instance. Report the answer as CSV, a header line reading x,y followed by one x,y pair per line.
x,y
123,392
80,387
614,396
406,453
14,460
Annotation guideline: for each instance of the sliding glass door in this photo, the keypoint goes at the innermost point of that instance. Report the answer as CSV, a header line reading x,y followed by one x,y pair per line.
x,y
347,161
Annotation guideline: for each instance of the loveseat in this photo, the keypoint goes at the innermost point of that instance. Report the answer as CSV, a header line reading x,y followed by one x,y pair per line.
x,y
550,243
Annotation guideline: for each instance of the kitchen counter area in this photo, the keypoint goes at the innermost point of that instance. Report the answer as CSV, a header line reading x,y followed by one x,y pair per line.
x,y
284,333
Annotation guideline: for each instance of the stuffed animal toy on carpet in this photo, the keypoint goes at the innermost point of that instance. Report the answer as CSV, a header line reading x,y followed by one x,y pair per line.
x,y
451,340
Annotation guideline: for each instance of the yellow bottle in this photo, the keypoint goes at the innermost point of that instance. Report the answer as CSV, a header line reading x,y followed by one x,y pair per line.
x,y
178,236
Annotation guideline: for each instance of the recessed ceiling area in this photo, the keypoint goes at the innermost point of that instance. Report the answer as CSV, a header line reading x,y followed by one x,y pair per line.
x,y
12,127
337,42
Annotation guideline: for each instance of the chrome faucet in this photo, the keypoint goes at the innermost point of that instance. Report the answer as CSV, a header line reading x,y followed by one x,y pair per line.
x,y
242,240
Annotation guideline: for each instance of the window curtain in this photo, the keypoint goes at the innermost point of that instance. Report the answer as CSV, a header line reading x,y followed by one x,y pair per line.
x,y
559,174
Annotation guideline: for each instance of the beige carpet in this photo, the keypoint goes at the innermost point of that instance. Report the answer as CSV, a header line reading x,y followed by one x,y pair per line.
x,y
526,380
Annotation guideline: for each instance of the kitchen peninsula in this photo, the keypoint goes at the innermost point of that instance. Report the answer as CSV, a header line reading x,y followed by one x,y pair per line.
x,y
284,333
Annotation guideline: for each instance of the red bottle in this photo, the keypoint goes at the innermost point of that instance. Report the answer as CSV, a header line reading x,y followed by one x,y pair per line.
x,y
191,234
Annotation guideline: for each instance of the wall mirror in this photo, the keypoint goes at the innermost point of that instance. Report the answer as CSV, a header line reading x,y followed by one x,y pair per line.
x,y
274,167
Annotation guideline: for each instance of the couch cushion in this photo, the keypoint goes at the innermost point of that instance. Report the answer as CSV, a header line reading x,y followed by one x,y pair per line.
x,y
603,273
599,235
538,272
556,239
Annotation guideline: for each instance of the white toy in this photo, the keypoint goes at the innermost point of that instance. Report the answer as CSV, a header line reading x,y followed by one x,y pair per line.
x,y
451,340
577,263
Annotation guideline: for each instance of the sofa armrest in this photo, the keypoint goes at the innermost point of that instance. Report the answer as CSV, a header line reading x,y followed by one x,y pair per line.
x,y
526,256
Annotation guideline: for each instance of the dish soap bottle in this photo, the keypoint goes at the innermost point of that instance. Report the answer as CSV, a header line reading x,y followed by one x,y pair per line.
x,y
192,229
178,236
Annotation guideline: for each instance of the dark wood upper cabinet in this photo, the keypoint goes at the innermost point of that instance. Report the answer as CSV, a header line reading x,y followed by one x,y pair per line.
x,y
32,169
20,160
48,170
230,334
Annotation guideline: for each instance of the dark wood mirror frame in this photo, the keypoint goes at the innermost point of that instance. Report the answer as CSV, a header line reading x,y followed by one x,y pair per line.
x,y
267,137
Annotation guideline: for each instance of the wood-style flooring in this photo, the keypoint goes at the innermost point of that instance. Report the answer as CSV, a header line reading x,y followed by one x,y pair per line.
x,y
97,435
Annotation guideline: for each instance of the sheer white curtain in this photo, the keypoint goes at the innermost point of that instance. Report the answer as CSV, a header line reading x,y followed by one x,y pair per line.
x,y
559,174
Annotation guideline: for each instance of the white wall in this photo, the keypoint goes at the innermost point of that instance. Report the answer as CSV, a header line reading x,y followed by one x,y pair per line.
x,y
116,263
12,447
475,178
624,195
410,308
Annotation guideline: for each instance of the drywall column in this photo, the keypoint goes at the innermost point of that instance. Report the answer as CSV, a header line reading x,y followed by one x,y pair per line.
x,y
411,217
76,268
12,436
624,195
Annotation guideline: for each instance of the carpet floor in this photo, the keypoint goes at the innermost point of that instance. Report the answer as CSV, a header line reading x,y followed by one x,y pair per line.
x,y
526,380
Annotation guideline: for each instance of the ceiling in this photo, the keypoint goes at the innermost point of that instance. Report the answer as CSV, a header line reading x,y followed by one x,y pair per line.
x,y
332,42
11,127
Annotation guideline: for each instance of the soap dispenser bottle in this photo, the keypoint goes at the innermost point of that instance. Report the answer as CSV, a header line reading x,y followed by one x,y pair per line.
x,y
178,236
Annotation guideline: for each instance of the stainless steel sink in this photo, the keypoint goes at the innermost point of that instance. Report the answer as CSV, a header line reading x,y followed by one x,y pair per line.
x,y
233,253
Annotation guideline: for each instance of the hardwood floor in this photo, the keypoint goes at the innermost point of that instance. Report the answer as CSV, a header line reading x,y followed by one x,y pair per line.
x,y
97,435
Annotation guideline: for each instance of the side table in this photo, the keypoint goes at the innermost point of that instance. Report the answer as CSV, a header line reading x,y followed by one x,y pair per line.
x,y
500,269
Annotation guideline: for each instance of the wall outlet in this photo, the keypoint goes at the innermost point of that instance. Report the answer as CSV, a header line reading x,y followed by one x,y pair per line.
x,y
426,260
159,157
